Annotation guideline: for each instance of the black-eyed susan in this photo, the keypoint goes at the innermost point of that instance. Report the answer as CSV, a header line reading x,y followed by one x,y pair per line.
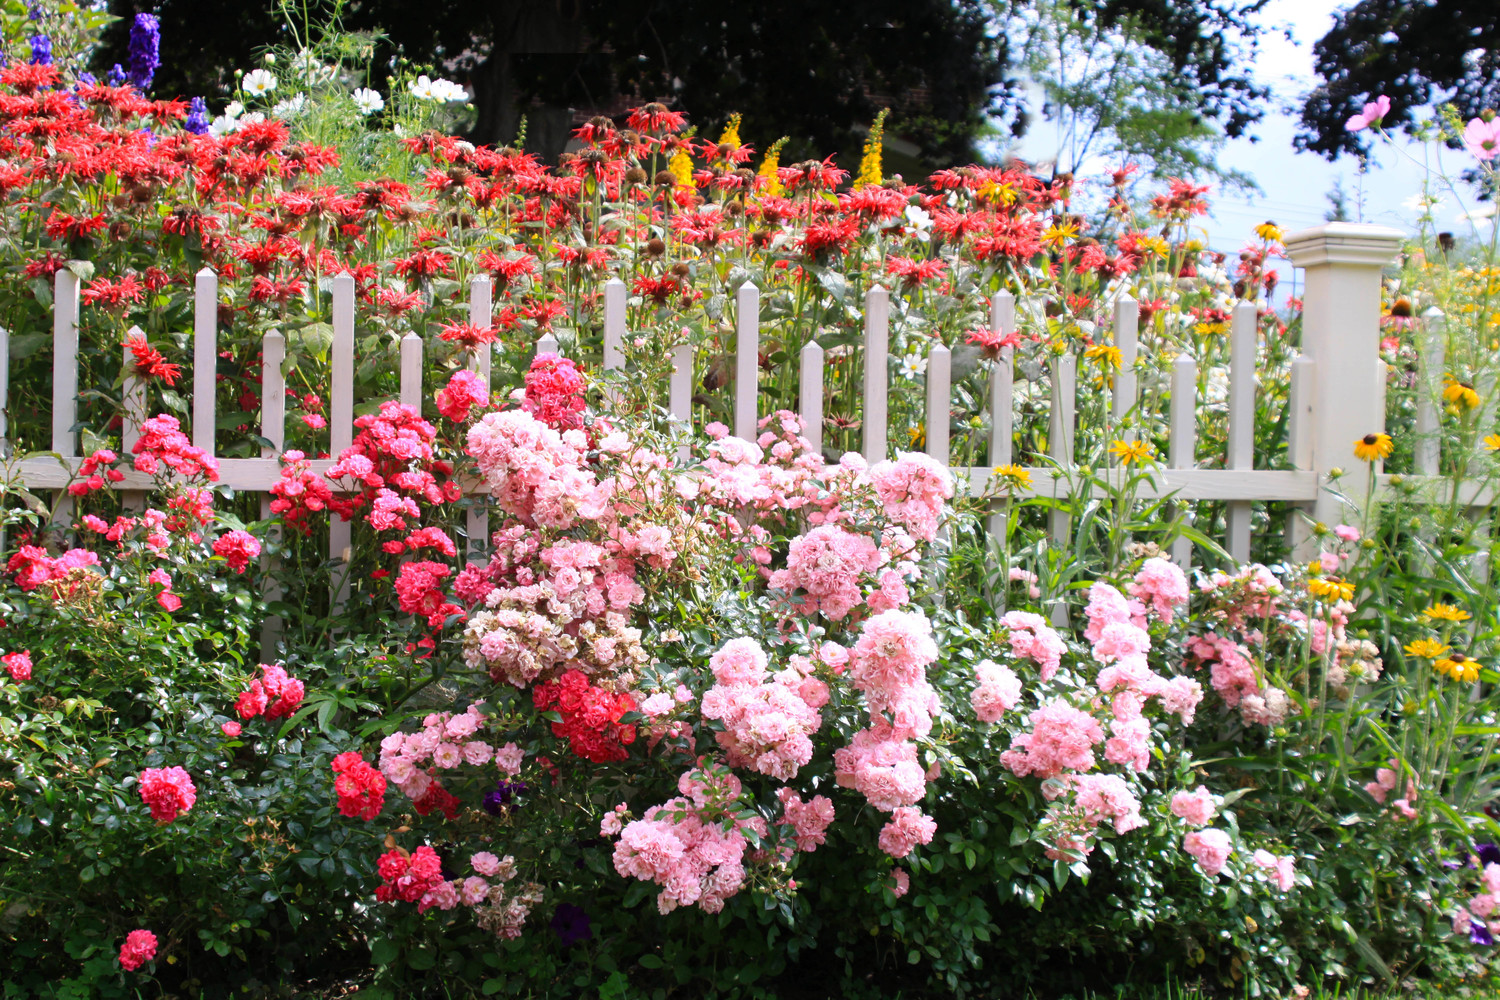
x,y
1269,231
1107,355
1131,452
1445,613
1331,589
1427,649
1459,667
1492,442
1459,396
1013,477
1373,447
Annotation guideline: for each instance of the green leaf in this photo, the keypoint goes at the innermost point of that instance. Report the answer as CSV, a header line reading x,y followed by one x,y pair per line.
x,y
650,962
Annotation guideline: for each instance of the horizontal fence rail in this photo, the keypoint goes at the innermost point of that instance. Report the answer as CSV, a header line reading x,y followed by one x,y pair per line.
x,y
1326,409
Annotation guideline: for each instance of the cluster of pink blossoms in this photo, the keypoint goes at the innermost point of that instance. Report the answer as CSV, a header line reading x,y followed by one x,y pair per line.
x,y
138,949
496,907
275,694
465,391
767,720
824,567
693,846
1385,782
162,443
18,665
444,741
237,548
914,489
33,567
169,791
1481,908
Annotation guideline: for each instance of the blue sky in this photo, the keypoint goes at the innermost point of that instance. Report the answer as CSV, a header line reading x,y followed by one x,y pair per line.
x,y
1294,185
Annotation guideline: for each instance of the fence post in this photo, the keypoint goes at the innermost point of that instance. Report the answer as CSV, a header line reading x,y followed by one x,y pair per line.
x,y
877,385
1341,333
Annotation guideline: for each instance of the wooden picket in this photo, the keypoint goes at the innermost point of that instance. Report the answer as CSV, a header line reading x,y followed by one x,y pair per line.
x,y
1314,447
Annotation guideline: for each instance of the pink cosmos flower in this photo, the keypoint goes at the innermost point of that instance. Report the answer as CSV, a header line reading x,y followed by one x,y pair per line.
x,y
1373,114
138,949
1482,139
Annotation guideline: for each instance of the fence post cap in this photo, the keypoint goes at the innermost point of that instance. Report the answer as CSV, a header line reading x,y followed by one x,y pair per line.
x,y
1344,243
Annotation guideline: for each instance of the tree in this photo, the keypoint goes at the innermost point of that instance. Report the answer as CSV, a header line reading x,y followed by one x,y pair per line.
x,y
1415,53
1112,96
816,72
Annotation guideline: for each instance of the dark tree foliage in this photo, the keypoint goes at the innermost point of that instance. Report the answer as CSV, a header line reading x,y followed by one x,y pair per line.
x,y
1413,51
1210,43
817,72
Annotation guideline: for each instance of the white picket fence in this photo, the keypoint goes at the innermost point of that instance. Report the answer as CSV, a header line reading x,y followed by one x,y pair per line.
x,y
1336,394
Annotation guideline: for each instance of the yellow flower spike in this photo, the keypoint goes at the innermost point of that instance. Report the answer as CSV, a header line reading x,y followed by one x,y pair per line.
x,y
1131,452
731,134
681,166
1373,447
1446,613
870,169
770,165
1013,477
1427,649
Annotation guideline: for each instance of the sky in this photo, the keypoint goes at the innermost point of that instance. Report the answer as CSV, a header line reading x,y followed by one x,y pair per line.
x,y
1294,186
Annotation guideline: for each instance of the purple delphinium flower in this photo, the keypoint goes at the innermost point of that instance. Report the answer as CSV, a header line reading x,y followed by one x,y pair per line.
x,y
571,924
498,802
1488,854
87,79
145,46
197,119
35,12
115,76
41,50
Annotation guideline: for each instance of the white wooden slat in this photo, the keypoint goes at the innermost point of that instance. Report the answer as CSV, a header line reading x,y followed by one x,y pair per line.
x,y
1127,323
1428,449
1182,440
205,357
810,395
4,396
133,396
1002,409
481,314
680,397
65,363
746,360
273,394
877,378
1061,432
1301,403
1243,334
411,369
939,403
614,324
341,430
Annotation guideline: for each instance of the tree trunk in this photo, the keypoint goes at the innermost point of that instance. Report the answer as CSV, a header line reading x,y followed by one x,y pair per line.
x,y
528,32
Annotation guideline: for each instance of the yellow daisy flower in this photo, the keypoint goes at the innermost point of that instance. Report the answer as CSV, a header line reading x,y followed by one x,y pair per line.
x,y
1106,354
1492,442
1446,613
1013,477
1269,231
1459,667
1130,452
1459,395
1373,447
1331,589
1427,649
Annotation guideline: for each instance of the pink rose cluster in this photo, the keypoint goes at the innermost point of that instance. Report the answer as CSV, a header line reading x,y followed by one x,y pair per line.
x,y
533,472
1211,848
18,665
237,548
162,443
1031,638
1385,782
693,846
138,949
767,719
274,694
914,489
998,691
417,877
168,791
809,820
465,391
33,567
445,741
825,568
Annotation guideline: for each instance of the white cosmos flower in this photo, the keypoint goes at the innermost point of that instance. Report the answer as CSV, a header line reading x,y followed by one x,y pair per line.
x,y
258,82
368,101
289,108
222,125
425,88
253,118
913,366
234,109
